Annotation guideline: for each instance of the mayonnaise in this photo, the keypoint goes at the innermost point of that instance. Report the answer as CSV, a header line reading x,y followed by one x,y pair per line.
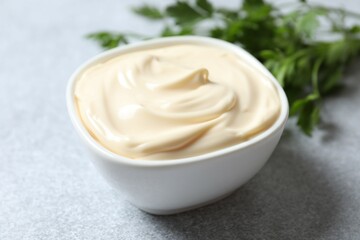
x,y
175,102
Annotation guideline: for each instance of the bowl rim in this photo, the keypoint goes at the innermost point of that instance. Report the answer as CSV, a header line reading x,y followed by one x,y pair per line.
x,y
168,41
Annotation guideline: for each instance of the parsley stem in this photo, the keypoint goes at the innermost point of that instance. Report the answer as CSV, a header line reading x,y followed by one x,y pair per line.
x,y
315,76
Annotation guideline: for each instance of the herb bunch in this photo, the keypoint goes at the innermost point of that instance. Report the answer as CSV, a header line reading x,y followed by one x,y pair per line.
x,y
288,44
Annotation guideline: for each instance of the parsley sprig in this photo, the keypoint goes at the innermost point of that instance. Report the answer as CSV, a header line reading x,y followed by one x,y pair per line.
x,y
288,44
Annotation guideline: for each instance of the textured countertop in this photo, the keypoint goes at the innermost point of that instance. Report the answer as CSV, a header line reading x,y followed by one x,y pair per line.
x,y
309,189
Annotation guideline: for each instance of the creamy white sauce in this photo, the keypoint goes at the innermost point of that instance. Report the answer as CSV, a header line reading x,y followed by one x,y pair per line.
x,y
175,102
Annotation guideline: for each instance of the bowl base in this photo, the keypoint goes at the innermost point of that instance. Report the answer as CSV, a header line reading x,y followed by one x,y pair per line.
x,y
180,210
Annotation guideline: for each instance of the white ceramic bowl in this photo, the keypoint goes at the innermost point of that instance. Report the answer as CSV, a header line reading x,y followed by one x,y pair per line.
x,y
172,186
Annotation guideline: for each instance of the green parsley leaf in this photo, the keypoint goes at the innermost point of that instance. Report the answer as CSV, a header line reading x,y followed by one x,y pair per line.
x,y
149,12
309,118
108,40
307,24
206,6
183,13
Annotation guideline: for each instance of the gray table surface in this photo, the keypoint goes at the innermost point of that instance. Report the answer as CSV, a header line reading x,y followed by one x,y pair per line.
x,y
309,189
